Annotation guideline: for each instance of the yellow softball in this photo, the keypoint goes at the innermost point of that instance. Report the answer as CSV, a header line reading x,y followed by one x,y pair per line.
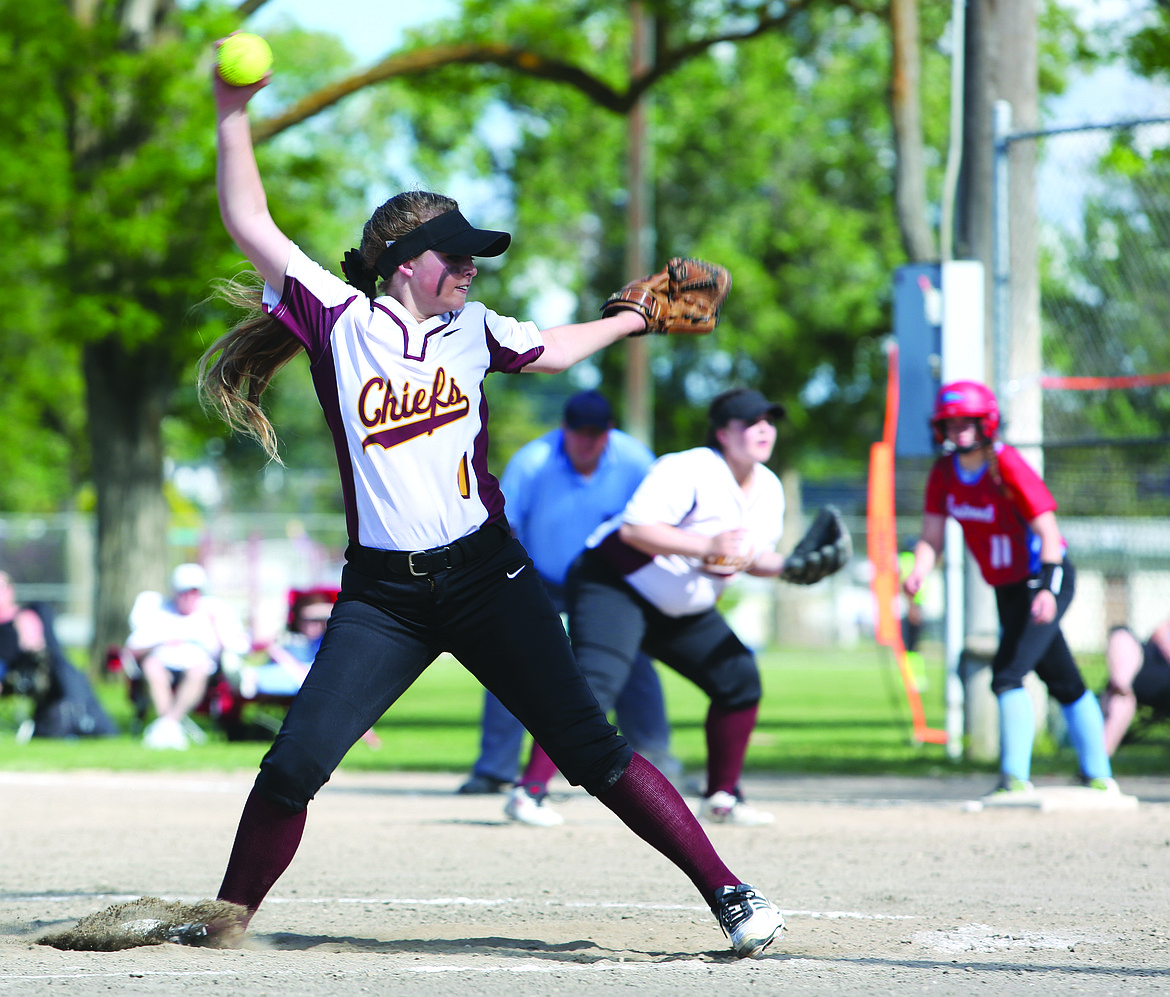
x,y
244,59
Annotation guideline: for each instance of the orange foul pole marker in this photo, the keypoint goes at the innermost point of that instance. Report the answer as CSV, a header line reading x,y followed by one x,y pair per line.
x,y
882,547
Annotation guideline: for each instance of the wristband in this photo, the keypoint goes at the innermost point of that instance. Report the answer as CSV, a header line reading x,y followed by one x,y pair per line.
x,y
1051,577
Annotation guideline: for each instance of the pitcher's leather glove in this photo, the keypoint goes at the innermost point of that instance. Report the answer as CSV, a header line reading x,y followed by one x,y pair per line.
x,y
685,296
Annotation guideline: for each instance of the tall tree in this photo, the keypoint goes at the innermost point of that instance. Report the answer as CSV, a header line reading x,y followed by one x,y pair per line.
x,y
110,200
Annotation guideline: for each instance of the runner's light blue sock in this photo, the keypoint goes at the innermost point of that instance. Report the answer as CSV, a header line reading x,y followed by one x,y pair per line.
x,y
1086,731
1017,731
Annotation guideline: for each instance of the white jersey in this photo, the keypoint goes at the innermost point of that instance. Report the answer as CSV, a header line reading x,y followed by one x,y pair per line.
x,y
695,491
404,400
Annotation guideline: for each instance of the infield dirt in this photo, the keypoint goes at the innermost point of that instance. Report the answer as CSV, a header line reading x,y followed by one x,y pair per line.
x,y
403,887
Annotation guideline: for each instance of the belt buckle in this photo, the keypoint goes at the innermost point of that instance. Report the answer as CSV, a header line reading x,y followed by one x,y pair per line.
x,y
410,564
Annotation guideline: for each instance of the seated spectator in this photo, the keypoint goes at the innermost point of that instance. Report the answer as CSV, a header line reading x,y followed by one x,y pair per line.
x,y
33,664
291,657
1139,675
179,644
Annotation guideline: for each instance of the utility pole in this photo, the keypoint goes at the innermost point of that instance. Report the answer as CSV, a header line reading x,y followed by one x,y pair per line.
x,y
1000,60
639,384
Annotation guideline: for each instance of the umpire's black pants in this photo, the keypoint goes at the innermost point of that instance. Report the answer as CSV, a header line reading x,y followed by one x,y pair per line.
x,y
495,617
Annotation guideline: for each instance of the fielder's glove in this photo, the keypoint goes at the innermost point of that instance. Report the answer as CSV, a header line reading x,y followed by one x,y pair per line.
x,y
824,550
685,296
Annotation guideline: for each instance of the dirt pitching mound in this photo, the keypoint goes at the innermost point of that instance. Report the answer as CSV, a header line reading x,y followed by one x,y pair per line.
x,y
151,921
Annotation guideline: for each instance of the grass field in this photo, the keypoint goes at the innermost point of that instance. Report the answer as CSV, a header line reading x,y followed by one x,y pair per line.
x,y
824,710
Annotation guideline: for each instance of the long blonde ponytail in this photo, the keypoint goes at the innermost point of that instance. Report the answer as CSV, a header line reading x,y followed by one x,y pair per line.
x,y
237,368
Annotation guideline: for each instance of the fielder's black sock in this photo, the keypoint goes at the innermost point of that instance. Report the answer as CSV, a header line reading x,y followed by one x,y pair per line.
x,y
650,806
265,844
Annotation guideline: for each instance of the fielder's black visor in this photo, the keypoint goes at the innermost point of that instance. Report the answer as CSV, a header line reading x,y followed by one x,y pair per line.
x,y
745,404
449,233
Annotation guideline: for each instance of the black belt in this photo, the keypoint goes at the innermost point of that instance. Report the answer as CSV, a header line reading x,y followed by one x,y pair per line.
x,y
422,563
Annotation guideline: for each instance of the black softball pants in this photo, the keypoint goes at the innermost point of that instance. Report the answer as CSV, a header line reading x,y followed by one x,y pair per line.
x,y
609,623
494,616
1026,645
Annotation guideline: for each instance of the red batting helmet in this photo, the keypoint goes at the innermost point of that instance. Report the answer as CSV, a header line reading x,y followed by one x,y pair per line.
x,y
965,400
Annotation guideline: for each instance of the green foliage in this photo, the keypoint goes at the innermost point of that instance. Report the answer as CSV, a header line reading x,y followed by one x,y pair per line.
x,y
772,155
781,179
1102,292
41,412
593,34
1064,43
109,229
1105,314
1104,295
1148,48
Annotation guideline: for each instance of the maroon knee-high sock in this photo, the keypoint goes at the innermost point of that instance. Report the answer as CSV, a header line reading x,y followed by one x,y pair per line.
x,y
540,769
650,806
728,732
265,844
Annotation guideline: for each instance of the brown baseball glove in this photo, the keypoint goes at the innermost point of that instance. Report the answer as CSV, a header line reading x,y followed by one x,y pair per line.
x,y
685,296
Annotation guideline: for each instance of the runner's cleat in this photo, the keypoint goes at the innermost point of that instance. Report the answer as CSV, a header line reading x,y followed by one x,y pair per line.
x,y
482,785
1010,785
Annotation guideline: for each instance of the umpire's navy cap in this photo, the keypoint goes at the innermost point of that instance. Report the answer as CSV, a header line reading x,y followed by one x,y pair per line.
x,y
588,409
449,233
742,403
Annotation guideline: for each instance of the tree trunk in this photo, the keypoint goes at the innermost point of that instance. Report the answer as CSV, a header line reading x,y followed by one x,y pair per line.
x,y
638,389
905,113
1018,358
126,397
1001,64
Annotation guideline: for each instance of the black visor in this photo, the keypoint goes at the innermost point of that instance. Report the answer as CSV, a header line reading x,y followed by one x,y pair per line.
x,y
450,233
745,404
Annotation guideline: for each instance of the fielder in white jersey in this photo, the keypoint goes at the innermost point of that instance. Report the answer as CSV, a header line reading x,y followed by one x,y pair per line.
x,y
650,578
398,355
696,491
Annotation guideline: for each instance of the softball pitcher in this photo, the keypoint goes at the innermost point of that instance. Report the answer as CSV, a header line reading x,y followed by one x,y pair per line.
x,y
398,357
